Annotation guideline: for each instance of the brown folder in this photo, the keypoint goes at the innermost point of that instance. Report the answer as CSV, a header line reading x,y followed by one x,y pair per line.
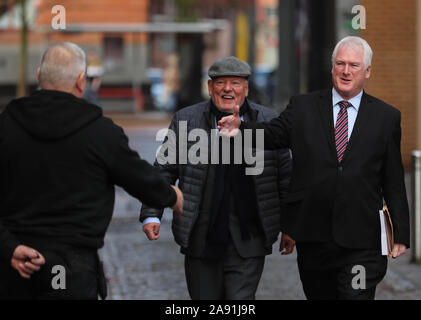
x,y
389,230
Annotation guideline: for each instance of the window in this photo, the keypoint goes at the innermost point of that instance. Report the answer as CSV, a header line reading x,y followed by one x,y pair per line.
x,y
113,53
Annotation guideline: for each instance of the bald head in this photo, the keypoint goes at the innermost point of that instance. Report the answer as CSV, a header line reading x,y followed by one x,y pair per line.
x,y
61,67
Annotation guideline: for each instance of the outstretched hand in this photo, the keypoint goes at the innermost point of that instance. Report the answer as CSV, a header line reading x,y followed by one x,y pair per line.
x,y
229,125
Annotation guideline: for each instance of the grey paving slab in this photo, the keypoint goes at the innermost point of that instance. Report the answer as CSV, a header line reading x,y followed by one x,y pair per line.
x,y
143,270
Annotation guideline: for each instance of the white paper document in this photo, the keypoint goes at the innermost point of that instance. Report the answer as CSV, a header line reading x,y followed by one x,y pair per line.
x,y
383,235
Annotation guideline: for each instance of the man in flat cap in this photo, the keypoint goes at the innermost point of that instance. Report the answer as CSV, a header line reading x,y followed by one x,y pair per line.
x,y
231,219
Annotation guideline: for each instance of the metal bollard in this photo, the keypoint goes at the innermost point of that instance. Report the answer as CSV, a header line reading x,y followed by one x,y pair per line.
x,y
416,207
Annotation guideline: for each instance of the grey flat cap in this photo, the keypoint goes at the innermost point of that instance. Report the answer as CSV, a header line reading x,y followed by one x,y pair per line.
x,y
229,66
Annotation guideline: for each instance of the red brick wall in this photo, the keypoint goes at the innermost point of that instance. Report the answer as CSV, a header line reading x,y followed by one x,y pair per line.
x,y
83,11
391,32
77,11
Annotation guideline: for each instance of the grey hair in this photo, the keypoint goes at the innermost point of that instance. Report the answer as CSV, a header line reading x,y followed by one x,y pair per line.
x,y
61,65
355,42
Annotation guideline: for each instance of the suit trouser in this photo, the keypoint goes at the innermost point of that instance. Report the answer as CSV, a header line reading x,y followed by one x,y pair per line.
x,y
70,274
329,272
231,277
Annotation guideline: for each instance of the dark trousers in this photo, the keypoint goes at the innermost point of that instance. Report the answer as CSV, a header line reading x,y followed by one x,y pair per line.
x,y
329,272
229,278
71,274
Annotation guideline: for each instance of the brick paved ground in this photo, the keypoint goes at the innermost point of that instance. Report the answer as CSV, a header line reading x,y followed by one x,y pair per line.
x,y
140,269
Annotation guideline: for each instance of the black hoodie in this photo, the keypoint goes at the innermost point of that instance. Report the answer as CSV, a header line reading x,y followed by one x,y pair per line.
x,y
59,162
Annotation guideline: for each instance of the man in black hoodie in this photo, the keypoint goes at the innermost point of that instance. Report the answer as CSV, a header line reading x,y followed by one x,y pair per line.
x,y
60,159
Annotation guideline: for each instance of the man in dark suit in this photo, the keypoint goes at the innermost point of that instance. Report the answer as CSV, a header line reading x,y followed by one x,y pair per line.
x,y
346,159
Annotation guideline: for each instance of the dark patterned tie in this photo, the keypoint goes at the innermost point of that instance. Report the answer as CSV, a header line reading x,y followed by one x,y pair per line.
x,y
341,129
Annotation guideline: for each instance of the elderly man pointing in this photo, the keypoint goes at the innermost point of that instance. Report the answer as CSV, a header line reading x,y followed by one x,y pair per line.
x,y
230,219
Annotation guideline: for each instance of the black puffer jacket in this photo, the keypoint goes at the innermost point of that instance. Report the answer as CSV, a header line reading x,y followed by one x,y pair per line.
x,y
270,185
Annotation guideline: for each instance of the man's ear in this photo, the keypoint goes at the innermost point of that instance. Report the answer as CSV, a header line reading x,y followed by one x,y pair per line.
x,y
39,75
81,83
368,72
210,87
247,88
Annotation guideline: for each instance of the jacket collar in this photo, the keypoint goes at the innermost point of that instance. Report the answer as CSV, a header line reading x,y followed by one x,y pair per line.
x,y
324,104
361,124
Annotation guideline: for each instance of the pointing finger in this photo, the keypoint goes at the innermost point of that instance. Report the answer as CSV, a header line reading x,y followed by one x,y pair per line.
x,y
237,111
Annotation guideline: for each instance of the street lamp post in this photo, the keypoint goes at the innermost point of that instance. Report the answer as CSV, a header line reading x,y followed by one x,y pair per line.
x,y
416,206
